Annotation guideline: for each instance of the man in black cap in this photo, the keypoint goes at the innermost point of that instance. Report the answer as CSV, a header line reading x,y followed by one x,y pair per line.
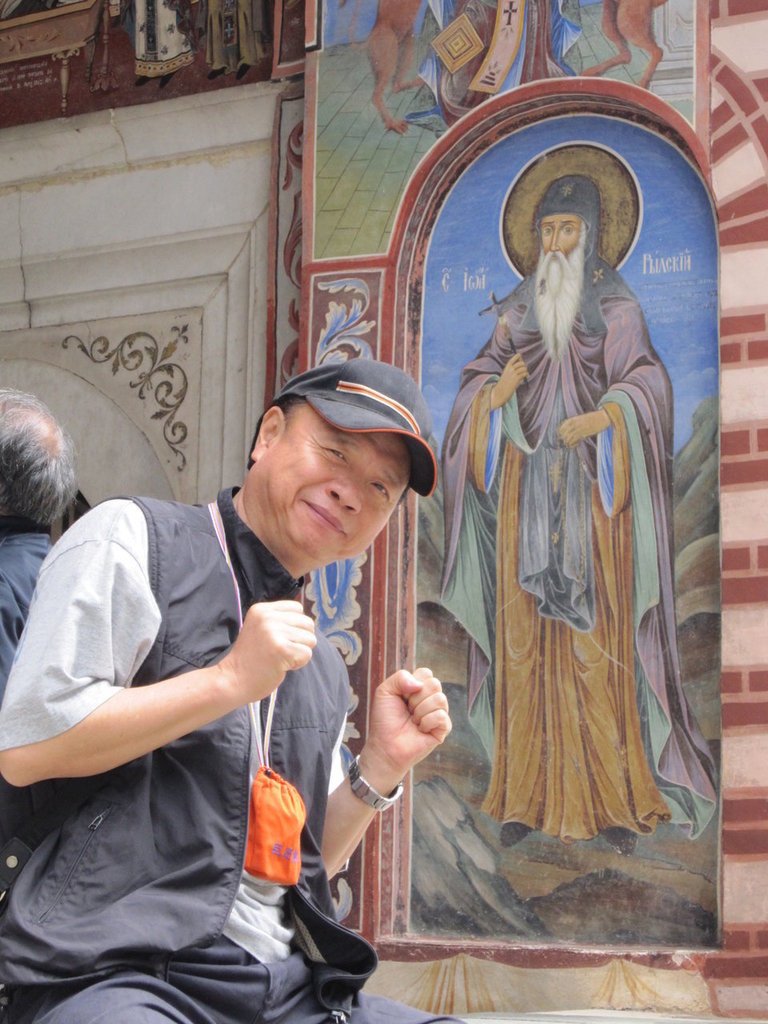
x,y
169,657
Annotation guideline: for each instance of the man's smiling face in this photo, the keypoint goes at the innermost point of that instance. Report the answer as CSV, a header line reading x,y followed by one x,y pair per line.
x,y
316,494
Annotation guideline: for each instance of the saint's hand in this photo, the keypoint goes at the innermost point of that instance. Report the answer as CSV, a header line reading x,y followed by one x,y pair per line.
x,y
276,638
409,718
577,428
513,375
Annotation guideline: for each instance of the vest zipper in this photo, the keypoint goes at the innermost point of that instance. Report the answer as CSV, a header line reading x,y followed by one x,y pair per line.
x,y
93,827
97,821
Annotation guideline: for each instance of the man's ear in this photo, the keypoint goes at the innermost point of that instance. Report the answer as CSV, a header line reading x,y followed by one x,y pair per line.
x,y
271,430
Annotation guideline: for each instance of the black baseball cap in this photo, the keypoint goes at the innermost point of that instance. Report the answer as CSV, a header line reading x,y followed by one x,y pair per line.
x,y
370,396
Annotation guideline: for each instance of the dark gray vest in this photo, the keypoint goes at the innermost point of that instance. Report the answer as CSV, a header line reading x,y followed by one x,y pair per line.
x,y
151,863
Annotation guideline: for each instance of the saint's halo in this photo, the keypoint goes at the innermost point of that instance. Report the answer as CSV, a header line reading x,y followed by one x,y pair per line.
x,y
620,203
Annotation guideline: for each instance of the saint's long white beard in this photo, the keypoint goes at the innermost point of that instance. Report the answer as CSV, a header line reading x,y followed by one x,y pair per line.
x,y
559,284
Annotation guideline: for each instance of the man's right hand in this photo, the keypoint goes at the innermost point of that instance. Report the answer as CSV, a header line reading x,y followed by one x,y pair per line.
x,y
513,375
276,638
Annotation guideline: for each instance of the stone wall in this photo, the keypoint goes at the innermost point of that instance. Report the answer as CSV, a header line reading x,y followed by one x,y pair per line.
x,y
133,285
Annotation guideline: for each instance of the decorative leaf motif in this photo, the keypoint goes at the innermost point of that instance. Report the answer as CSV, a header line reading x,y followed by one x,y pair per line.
x,y
332,591
344,325
166,380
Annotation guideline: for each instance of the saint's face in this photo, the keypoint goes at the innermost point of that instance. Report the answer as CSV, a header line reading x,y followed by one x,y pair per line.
x,y
317,494
560,232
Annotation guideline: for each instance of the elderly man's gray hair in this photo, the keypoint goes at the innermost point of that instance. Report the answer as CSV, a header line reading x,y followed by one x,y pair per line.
x,y
37,460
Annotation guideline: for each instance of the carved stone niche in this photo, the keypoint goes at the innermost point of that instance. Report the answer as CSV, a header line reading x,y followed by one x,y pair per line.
x,y
135,276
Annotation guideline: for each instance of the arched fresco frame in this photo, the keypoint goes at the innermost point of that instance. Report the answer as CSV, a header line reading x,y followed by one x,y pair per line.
x,y
384,913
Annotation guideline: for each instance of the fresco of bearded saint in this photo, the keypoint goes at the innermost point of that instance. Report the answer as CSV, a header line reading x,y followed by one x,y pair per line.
x,y
559,552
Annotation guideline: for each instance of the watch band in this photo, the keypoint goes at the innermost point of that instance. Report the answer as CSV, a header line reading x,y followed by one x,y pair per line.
x,y
365,792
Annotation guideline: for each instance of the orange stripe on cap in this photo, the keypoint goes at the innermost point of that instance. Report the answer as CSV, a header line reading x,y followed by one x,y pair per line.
x,y
377,396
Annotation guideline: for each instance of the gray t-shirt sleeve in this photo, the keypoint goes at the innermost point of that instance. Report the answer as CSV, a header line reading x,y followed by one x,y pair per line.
x,y
92,622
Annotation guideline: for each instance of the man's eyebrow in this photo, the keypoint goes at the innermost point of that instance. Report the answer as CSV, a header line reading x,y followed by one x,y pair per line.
x,y
346,439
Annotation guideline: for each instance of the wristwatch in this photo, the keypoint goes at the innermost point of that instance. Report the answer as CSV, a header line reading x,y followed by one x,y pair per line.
x,y
365,792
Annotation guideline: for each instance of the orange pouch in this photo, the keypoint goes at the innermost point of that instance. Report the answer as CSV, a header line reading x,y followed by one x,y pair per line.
x,y
277,816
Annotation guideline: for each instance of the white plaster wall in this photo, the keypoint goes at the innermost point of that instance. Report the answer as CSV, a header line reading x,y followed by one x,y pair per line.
x,y
135,223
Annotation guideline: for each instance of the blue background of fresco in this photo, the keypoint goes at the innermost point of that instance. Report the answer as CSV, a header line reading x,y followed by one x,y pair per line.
x,y
681,308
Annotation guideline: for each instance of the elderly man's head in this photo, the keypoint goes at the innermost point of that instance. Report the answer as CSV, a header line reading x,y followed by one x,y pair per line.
x,y
559,280
37,469
566,220
569,197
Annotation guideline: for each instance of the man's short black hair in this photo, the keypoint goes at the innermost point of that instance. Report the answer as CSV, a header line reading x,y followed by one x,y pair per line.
x,y
286,403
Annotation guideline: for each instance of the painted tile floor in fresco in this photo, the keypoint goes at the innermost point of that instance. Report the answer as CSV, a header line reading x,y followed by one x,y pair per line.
x,y
362,169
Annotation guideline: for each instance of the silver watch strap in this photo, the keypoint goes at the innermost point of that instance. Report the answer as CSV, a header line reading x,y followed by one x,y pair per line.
x,y
364,790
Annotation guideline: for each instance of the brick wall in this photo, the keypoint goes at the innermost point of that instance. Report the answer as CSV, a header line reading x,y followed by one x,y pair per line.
x,y
738,977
